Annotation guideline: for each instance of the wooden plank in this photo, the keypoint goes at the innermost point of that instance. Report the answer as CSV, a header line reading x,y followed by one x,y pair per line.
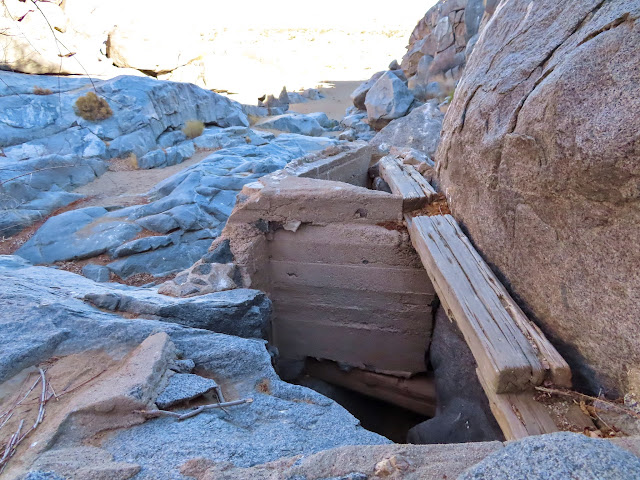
x,y
406,181
422,182
519,415
417,393
556,368
511,354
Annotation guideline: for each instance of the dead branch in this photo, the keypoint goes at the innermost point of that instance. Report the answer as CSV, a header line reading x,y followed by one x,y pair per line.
x,y
13,441
194,412
18,403
6,420
571,393
43,400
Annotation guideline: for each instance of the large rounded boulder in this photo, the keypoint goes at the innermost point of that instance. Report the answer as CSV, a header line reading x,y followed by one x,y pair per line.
x,y
540,159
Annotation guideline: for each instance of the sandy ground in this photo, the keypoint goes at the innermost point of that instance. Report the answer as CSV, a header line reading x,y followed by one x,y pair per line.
x,y
336,101
127,186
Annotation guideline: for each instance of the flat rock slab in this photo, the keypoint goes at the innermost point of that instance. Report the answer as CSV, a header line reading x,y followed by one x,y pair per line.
x,y
183,387
557,456
43,317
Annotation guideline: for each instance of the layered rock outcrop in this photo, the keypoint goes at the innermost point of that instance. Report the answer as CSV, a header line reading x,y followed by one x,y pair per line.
x,y
540,161
441,43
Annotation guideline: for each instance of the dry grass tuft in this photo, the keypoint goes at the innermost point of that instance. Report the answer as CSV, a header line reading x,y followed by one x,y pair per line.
x,y
193,128
41,91
124,164
133,160
92,107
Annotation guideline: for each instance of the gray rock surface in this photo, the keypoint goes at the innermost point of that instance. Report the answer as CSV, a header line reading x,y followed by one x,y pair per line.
x,y
190,207
183,366
142,245
442,41
538,161
183,387
89,463
359,94
49,150
419,130
40,475
75,235
406,462
40,321
97,273
241,312
557,456
293,123
388,99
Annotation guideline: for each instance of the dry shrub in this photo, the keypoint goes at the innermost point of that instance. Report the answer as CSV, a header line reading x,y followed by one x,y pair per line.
x,y
124,164
133,160
92,107
193,128
41,91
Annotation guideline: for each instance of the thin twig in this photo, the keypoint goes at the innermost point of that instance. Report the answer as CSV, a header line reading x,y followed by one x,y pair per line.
x,y
65,391
53,392
42,399
6,420
194,412
10,445
570,393
10,411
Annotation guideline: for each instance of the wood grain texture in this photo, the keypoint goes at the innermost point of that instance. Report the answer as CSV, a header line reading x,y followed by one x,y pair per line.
x,y
519,414
406,181
512,354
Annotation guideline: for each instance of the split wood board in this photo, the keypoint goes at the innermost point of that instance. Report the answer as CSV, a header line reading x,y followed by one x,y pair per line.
x,y
519,415
512,354
406,181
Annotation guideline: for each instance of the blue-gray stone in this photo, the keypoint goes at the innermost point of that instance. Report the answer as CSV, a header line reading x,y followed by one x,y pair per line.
x,y
153,159
39,132
323,120
97,273
163,261
76,141
77,234
191,217
388,99
183,387
221,254
183,366
171,138
43,317
40,475
359,94
293,123
180,152
159,223
557,456
142,245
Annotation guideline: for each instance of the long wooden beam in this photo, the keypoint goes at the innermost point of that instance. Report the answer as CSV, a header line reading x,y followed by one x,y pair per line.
x,y
406,181
511,353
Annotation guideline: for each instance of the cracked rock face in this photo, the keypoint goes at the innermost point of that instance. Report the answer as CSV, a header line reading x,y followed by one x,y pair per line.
x,y
118,366
539,159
